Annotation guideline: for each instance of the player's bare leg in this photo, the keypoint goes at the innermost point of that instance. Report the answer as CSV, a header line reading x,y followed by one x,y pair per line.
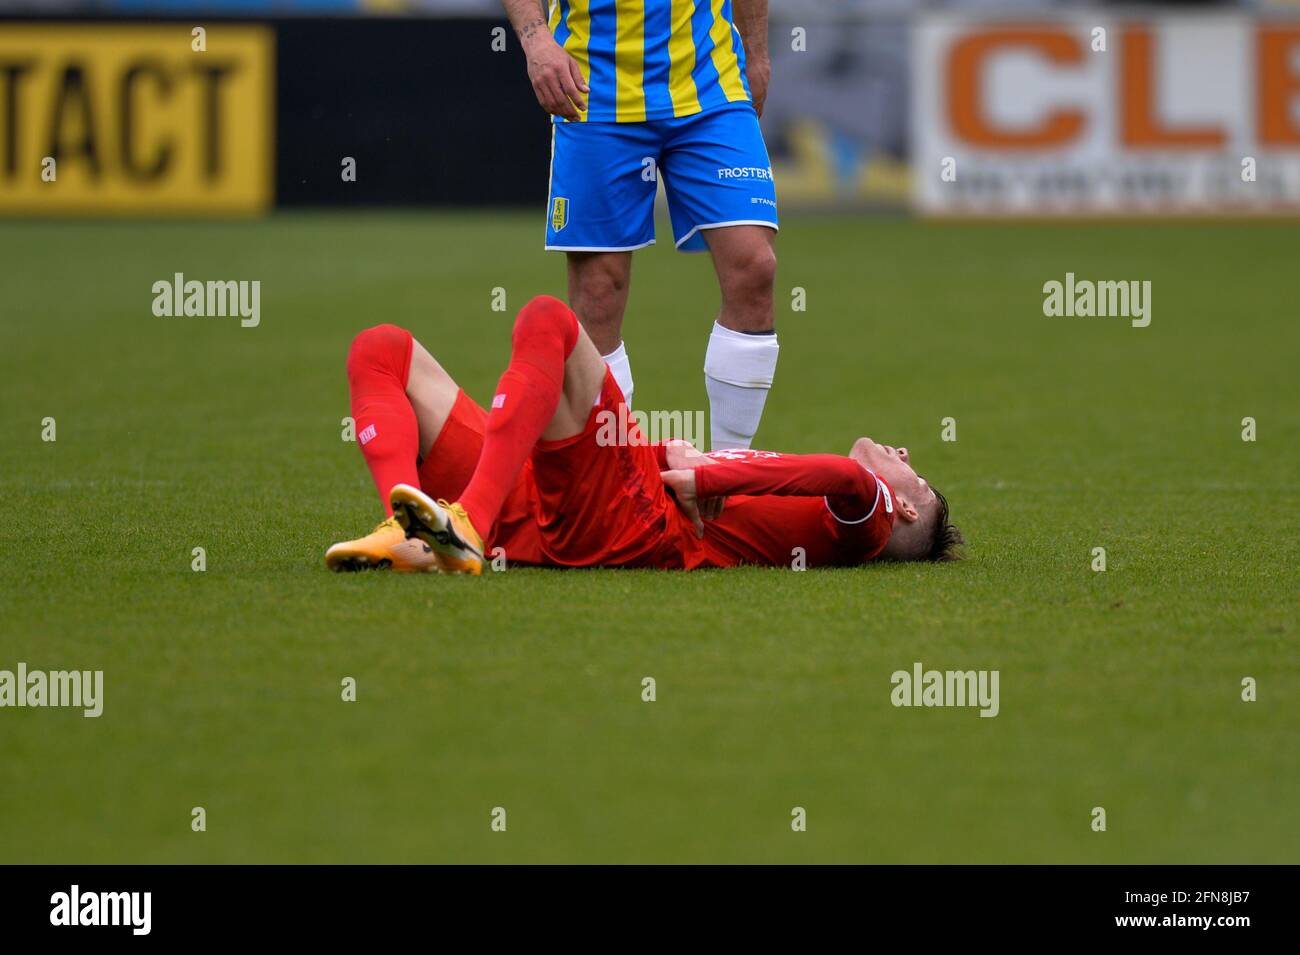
x,y
741,358
547,393
401,398
598,290
432,393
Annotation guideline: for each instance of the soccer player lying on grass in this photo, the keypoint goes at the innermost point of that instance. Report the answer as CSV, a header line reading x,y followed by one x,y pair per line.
x,y
535,478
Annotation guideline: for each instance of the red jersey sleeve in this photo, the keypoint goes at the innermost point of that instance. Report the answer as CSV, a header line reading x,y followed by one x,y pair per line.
x,y
850,489
776,508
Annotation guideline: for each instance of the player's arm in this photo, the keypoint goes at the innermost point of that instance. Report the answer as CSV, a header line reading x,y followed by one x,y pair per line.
x,y
751,21
679,454
556,77
850,490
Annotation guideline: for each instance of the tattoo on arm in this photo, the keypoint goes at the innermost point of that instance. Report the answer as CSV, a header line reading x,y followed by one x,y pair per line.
x,y
529,17
527,31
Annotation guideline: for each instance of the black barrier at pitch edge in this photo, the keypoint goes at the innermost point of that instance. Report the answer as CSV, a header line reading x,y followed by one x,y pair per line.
x,y
429,111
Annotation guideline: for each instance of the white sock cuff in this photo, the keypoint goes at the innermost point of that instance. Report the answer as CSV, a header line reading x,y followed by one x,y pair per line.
x,y
747,361
622,369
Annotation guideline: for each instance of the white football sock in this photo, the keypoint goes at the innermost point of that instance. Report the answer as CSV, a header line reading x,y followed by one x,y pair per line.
x,y
622,369
738,370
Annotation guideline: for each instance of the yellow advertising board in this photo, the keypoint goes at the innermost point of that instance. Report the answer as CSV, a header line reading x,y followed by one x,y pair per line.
x,y
100,118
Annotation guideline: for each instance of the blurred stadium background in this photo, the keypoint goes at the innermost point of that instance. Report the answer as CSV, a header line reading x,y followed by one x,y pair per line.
x,y
870,99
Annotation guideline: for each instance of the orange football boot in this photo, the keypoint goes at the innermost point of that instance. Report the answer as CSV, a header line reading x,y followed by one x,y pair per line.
x,y
386,546
444,527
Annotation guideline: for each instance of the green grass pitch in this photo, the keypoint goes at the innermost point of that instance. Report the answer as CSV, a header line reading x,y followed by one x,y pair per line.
x,y
523,690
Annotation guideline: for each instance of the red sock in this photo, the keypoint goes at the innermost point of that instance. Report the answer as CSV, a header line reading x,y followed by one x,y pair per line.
x,y
387,432
525,401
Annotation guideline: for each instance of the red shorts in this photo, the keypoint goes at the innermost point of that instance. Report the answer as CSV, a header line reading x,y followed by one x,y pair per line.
x,y
583,501
449,466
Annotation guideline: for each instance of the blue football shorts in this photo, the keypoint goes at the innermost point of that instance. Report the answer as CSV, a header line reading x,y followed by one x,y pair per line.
x,y
604,176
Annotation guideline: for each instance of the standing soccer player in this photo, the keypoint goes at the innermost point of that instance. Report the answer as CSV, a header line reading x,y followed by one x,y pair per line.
x,y
673,88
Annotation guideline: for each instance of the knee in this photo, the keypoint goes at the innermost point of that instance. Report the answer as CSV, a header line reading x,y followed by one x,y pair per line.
x,y
384,348
750,276
546,317
600,293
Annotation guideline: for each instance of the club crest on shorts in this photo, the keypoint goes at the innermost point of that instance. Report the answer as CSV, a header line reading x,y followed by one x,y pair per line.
x,y
559,213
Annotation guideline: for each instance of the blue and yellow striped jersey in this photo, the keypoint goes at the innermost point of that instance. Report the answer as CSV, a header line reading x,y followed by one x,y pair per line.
x,y
652,59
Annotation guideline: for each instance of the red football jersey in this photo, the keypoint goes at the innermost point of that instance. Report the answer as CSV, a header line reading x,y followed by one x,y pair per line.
x,y
828,505
579,503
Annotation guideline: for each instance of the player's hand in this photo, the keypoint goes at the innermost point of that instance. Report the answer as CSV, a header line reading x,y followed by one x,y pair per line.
x,y
758,71
682,483
682,454
711,508
556,77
